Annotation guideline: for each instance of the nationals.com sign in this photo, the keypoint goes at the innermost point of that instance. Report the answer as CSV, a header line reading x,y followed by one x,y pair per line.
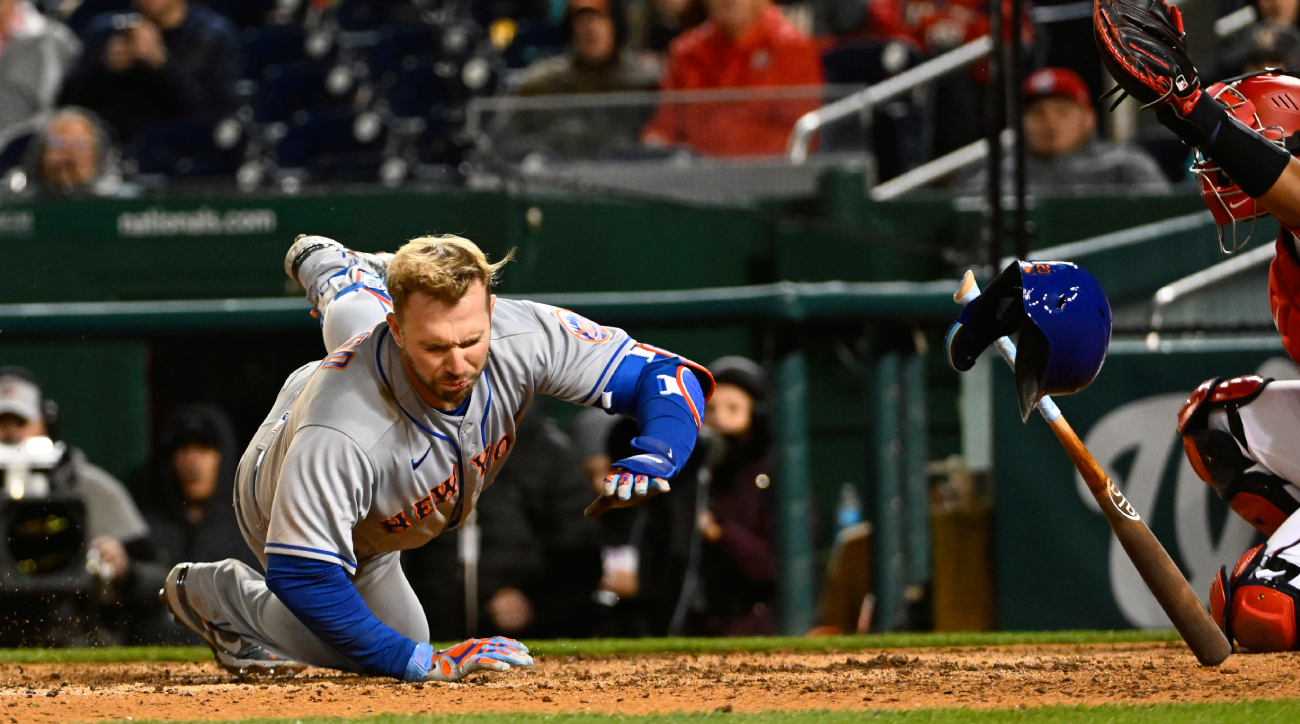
x,y
199,222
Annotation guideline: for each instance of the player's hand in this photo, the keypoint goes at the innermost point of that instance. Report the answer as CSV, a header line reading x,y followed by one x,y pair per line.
x,y
452,664
637,478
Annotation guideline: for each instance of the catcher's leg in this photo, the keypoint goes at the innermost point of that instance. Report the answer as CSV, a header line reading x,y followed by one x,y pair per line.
x,y
1256,603
1240,435
345,287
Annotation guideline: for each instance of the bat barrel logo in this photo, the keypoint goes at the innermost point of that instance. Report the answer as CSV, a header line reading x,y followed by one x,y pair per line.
x,y
1121,503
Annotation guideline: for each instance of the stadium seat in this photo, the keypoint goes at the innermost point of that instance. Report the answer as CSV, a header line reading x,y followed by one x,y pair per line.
x,y
13,152
245,13
334,145
869,61
271,44
373,14
419,90
535,39
397,44
186,149
286,88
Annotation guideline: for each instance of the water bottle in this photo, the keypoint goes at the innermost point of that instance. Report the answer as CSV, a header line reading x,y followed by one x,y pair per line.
x,y
849,510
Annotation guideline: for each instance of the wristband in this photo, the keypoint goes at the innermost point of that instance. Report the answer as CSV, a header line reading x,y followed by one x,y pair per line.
x,y
1253,162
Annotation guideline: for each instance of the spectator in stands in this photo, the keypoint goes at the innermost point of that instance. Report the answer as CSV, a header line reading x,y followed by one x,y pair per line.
x,y
190,515
73,155
35,54
1063,154
670,18
114,526
738,568
1258,46
540,556
172,61
743,44
597,60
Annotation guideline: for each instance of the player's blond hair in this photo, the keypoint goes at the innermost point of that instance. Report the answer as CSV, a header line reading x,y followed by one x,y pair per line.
x,y
445,267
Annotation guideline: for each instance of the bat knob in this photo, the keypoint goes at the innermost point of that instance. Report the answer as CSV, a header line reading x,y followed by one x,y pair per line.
x,y
968,290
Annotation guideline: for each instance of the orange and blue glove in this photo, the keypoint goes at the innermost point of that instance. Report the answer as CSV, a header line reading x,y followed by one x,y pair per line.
x,y
452,664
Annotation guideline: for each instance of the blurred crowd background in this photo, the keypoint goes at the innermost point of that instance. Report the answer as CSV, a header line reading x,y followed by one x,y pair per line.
x,y
127,97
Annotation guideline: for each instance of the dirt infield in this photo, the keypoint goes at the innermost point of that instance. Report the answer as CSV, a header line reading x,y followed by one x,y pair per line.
x,y
994,676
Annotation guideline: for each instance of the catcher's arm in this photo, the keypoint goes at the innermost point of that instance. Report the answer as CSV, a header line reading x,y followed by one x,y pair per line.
x,y
1142,45
1283,198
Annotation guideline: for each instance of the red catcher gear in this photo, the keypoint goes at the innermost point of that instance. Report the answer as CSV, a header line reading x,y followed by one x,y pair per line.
x,y
1258,497
1266,103
1284,292
1257,612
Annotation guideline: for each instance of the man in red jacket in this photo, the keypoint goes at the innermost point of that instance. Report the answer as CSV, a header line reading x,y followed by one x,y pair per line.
x,y
743,44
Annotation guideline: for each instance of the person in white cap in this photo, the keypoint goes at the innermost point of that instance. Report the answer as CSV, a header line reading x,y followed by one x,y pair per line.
x,y
114,524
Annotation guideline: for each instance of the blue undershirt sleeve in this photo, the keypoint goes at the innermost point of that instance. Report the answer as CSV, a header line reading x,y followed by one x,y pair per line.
x,y
321,595
666,399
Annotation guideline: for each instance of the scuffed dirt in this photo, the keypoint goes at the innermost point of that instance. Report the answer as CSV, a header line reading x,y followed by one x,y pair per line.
x,y
981,677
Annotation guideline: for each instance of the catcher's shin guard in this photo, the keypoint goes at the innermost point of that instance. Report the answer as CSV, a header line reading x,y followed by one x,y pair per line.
x,y
1216,456
1256,605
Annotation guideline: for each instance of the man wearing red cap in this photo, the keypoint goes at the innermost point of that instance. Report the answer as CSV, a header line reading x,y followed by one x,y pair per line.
x,y
743,44
1063,154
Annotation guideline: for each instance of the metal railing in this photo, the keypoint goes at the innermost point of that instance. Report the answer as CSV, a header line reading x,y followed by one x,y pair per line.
x,y
813,121
1170,293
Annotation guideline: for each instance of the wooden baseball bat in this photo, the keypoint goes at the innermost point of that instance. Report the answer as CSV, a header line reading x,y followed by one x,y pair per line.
x,y
1152,562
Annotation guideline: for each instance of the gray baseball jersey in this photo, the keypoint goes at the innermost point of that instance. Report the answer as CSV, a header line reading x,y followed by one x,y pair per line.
x,y
351,463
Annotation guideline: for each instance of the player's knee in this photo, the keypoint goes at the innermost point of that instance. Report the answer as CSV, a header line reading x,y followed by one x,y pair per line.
x,y
1218,456
352,313
1256,611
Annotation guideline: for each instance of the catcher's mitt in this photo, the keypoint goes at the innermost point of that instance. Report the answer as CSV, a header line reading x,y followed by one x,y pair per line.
x,y
1141,44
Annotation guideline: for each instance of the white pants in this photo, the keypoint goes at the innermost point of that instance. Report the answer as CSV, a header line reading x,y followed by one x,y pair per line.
x,y
233,596
1272,425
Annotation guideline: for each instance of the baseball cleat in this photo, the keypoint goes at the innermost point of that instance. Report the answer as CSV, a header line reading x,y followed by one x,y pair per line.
x,y
230,650
305,245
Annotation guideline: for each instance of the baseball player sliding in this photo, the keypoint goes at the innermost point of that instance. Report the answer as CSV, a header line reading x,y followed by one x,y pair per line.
x,y
391,438
1240,434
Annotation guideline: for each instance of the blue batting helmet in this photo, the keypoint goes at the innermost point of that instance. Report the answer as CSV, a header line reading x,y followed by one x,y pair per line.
x,y
1063,345
1064,323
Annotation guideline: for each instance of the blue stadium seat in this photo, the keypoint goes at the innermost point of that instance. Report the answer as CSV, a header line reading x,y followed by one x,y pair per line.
x,y
418,90
185,149
536,39
334,145
270,44
869,61
373,14
13,153
397,44
286,88
244,13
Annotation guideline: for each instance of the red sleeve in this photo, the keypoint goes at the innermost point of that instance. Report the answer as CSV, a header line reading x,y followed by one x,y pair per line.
x,y
663,127
1284,293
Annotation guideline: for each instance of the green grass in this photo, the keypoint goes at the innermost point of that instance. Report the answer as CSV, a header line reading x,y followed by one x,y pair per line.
x,y
626,647
1252,712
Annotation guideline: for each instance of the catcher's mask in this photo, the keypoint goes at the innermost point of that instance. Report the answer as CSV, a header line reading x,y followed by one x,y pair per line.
x,y
1267,102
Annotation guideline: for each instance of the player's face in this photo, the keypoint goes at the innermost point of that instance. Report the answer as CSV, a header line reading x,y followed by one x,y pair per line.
x,y
444,346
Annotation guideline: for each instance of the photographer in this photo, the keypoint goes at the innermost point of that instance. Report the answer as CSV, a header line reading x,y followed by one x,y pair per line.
x,y
113,525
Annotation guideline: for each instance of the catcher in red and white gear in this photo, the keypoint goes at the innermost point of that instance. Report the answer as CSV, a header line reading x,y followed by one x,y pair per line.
x,y
1241,435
